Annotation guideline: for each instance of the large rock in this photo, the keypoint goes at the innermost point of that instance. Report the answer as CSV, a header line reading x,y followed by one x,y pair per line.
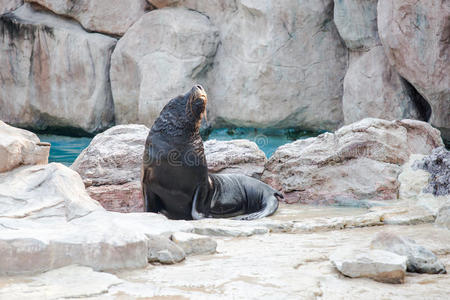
x,y
379,265
111,167
280,63
360,161
235,156
55,74
106,16
415,38
41,191
20,147
100,240
373,89
420,259
113,156
356,21
9,5
162,55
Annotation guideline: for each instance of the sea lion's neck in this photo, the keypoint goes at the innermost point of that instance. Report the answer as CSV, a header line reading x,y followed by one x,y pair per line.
x,y
176,121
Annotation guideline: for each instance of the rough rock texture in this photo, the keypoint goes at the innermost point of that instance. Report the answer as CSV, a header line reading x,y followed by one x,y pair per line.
x,y
360,161
280,63
379,265
52,190
420,259
106,16
356,21
194,244
9,5
438,165
111,167
56,75
372,88
20,147
101,240
413,186
113,157
163,250
123,198
235,156
272,266
147,72
415,38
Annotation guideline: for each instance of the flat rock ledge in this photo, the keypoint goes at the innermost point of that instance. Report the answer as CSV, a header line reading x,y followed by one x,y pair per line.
x,y
379,265
194,244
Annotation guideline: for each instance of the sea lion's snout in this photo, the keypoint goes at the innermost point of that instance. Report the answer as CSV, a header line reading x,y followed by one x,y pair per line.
x,y
197,101
198,92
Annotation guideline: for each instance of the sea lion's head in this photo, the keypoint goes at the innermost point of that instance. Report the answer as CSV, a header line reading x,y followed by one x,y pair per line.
x,y
196,104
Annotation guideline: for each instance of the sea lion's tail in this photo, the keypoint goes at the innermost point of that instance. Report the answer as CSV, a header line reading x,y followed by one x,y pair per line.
x,y
270,207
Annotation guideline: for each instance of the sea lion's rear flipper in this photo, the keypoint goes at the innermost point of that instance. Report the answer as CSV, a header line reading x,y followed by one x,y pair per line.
x,y
271,205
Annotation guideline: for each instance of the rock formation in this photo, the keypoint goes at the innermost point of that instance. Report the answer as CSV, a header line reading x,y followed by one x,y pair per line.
x,y
20,147
359,161
146,73
415,37
54,75
105,16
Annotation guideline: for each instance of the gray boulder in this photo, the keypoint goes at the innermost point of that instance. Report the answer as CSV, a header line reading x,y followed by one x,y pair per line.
x,y
420,259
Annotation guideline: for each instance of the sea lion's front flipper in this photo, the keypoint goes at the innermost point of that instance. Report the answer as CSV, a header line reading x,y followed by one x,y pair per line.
x,y
196,215
152,203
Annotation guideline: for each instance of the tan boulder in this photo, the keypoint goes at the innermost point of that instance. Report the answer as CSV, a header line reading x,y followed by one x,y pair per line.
x,y
55,74
111,167
378,265
235,156
356,21
161,56
44,191
373,89
20,147
360,161
414,35
107,16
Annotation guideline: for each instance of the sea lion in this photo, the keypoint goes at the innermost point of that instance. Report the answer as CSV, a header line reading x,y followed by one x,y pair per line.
x,y
175,180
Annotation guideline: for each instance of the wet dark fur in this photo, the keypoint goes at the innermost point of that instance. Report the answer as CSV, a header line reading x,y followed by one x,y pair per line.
x,y
175,173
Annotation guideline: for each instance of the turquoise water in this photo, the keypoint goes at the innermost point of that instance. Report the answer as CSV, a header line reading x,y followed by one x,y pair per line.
x,y
268,140
66,149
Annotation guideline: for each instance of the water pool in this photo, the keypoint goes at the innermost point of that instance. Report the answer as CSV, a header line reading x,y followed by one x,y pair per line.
x,y
66,149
